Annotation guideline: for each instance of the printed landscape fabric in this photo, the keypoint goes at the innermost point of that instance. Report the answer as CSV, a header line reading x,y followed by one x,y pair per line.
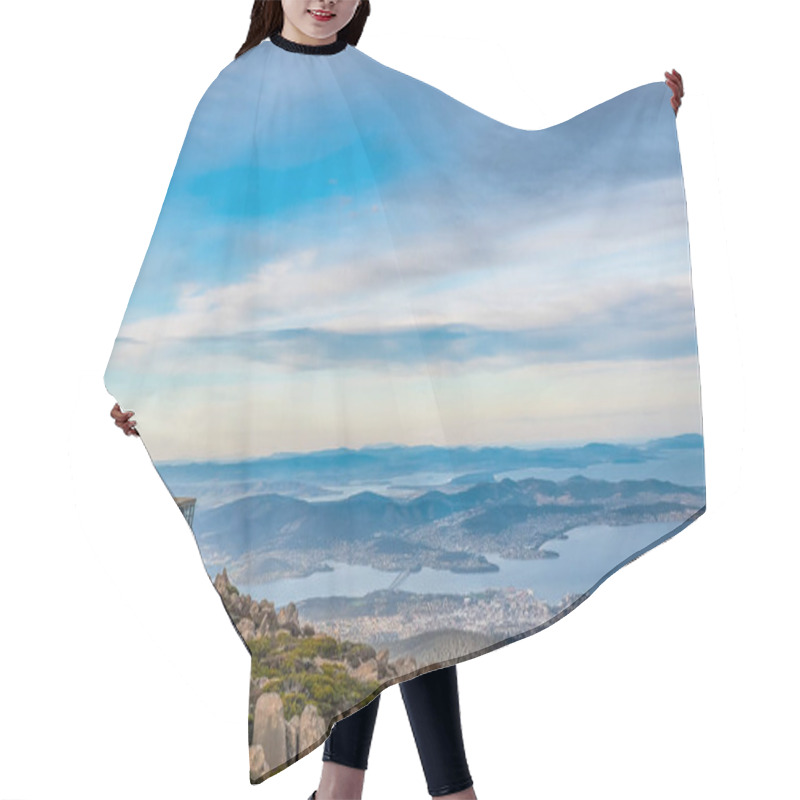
x,y
418,380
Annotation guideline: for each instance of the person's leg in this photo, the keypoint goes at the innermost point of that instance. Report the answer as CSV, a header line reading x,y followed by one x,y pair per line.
x,y
434,713
346,753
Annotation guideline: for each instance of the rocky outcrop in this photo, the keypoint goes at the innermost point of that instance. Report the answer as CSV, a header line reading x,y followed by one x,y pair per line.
x,y
252,619
312,727
288,652
269,727
258,761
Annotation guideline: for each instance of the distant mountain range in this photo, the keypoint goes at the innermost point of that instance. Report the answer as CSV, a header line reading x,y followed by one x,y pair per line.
x,y
288,515
384,462
267,537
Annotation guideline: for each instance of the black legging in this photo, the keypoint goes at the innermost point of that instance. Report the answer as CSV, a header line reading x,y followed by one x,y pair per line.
x,y
432,706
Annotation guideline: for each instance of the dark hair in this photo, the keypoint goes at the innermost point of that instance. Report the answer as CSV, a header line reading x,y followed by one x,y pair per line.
x,y
266,18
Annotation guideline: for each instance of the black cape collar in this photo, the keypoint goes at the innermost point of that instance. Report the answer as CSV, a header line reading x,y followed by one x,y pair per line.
x,y
309,49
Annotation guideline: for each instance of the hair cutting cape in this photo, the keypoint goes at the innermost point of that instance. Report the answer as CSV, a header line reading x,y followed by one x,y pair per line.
x,y
418,380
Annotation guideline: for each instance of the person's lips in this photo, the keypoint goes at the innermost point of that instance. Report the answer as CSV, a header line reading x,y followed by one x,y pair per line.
x,y
321,15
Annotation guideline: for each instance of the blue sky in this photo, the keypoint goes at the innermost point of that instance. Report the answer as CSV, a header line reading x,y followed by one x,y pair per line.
x,y
346,256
